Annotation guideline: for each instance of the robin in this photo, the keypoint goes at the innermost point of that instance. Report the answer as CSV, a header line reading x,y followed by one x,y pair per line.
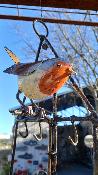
x,y
40,79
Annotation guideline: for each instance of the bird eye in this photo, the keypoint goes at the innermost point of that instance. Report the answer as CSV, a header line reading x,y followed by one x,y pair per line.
x,y
59,65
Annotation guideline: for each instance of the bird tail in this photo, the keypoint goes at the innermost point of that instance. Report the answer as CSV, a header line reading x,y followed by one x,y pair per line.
x,y
12,55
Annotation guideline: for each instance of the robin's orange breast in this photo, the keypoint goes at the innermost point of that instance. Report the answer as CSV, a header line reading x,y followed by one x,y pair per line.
x,y
55,78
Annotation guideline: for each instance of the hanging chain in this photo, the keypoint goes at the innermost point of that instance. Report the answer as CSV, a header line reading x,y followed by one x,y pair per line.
x,y
17,8
41,9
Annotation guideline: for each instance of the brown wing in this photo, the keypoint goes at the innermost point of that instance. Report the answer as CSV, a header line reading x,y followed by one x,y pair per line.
x,y
22,68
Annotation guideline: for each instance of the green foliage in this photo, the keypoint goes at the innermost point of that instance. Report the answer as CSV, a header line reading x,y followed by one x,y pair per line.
x,y
6,169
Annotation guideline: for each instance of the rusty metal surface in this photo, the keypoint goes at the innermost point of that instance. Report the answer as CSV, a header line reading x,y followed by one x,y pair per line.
x,y
71,4
49,20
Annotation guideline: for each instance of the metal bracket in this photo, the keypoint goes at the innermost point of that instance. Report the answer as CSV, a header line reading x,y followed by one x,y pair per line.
x,y
75,141
43,40
24,134
38,138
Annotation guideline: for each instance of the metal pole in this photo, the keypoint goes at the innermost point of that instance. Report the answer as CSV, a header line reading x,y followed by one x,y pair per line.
x,y
52,161
50,150
95,150
49,20
14,147
95,140
54,135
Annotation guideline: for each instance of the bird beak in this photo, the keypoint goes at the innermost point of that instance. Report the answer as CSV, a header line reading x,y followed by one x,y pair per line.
x,y
74,72
72,69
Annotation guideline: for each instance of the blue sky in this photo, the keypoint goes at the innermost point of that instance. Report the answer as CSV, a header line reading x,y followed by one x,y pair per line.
x,y
8,85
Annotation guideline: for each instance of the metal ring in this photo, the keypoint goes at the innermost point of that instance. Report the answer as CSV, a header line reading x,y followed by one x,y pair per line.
x,y
43,25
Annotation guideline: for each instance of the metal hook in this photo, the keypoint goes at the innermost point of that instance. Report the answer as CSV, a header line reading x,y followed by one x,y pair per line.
x,y
38,138
44,25
24,134
74,142
43,40
41,113
20,101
